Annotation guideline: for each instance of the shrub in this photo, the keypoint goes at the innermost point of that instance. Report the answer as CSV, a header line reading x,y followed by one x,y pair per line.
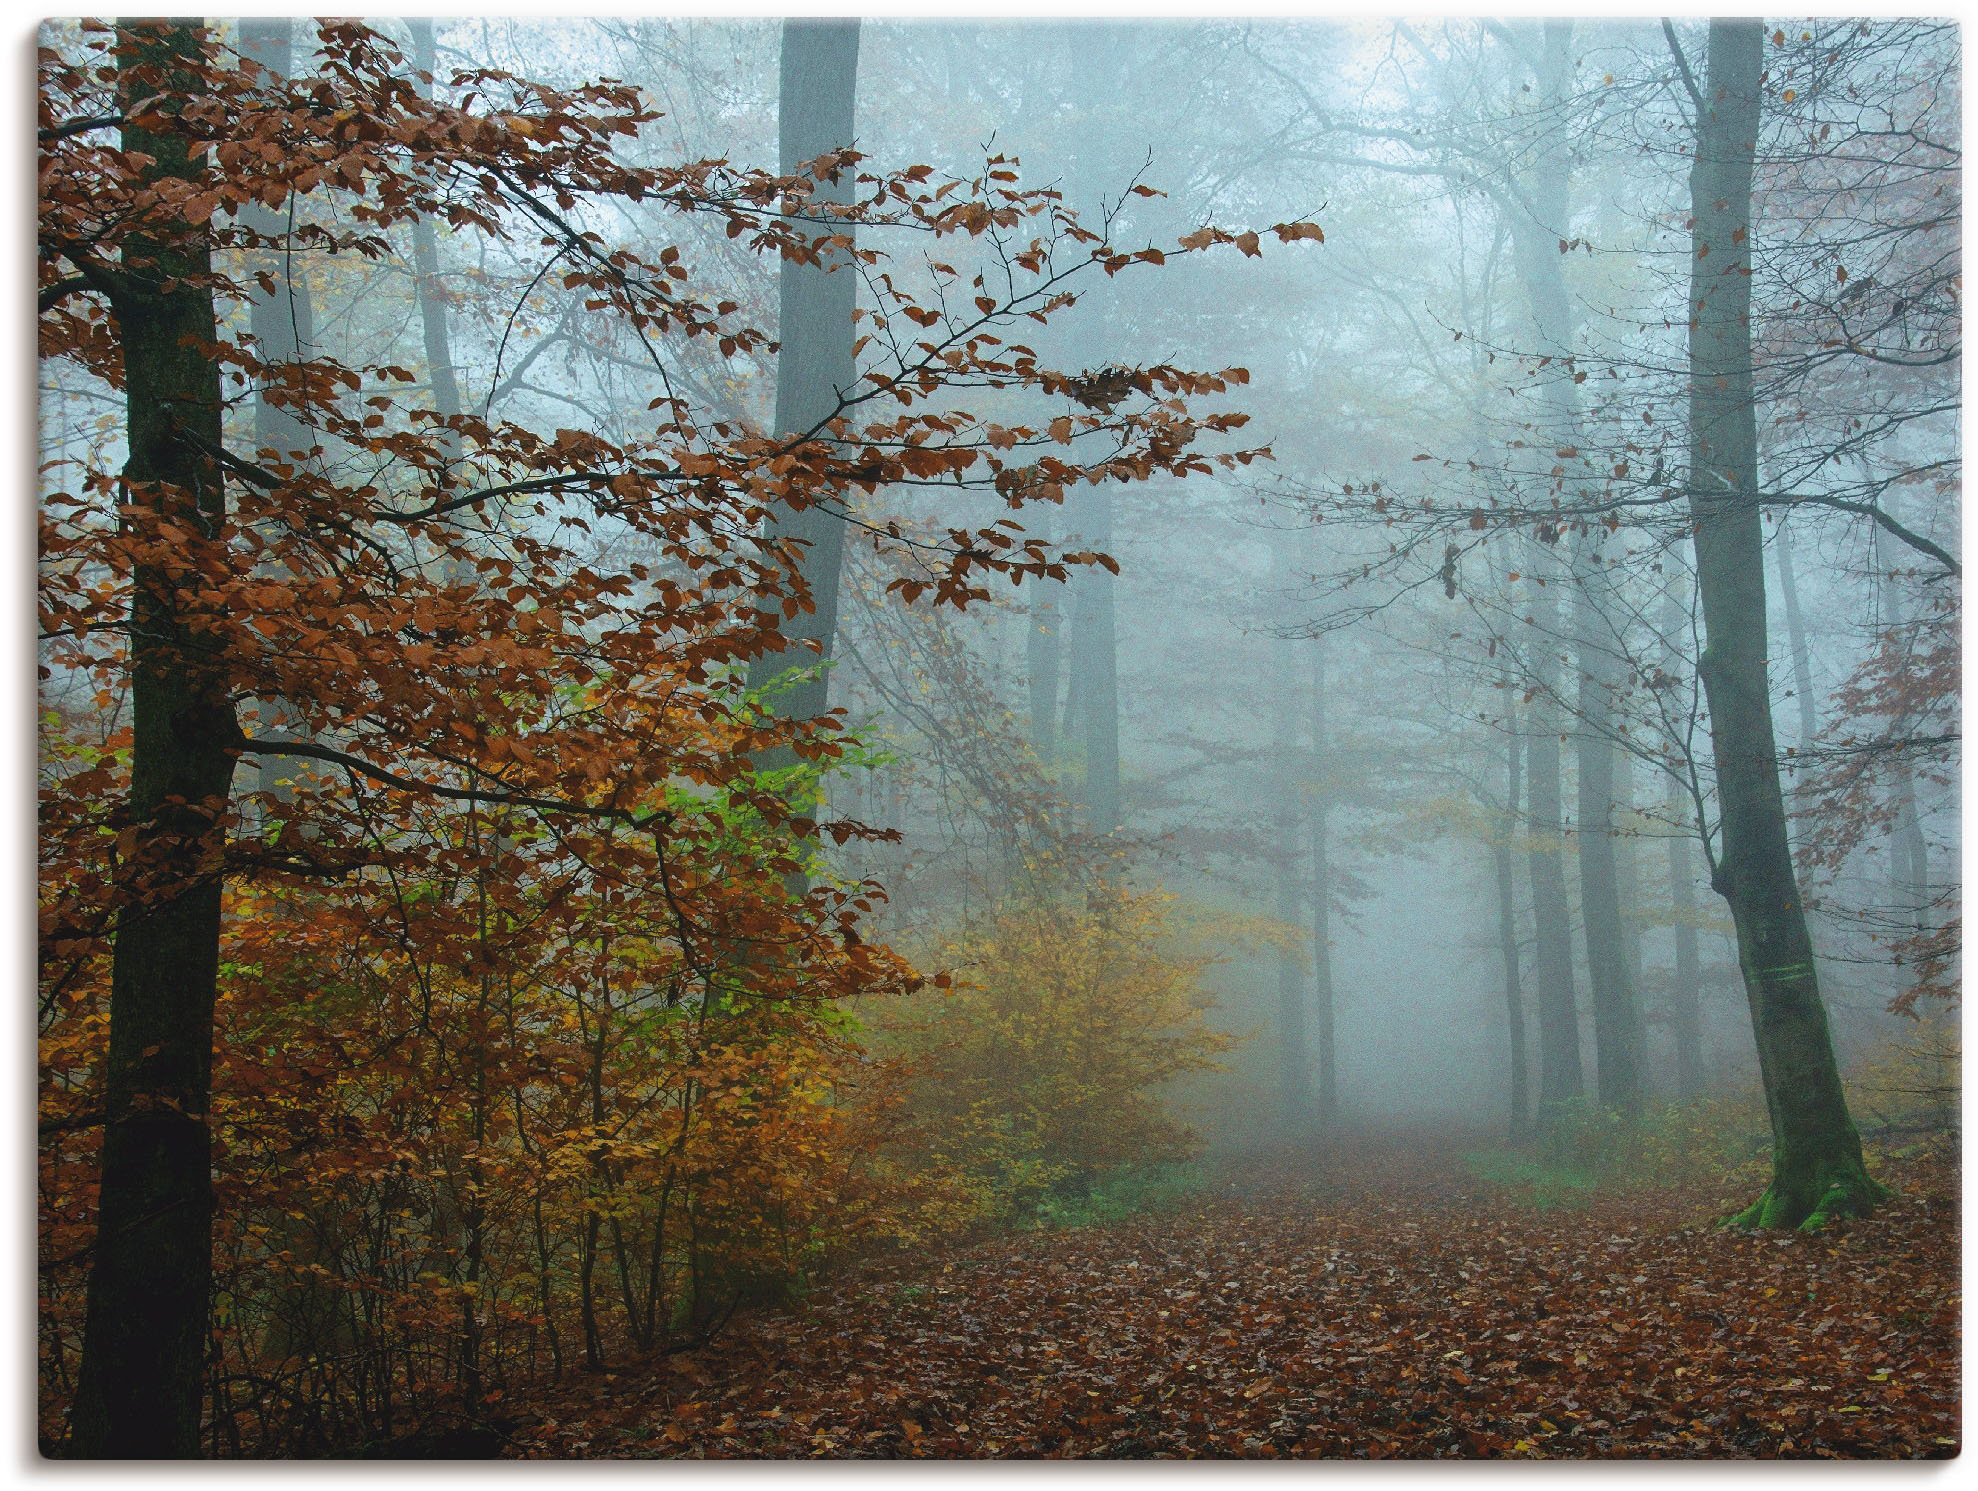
x,y
1040,1073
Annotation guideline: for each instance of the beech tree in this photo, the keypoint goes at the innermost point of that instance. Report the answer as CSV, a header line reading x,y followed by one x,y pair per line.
x,y
1817,1169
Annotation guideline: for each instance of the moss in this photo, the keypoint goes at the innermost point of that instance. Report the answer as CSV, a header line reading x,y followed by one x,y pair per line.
x,y
1849,1192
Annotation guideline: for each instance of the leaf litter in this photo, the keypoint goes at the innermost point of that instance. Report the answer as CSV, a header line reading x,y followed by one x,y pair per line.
x,y
1377,1303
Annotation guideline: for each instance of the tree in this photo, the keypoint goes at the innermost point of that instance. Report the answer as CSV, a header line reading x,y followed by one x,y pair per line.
x,y
1817,1168
145,1334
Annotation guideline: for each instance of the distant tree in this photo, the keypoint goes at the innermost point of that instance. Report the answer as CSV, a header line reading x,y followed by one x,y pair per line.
x,y
815,366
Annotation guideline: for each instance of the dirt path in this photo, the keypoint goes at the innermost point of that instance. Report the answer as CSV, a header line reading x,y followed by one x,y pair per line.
x,y
1383,1307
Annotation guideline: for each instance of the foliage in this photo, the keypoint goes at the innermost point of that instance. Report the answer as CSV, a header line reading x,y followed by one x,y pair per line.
x,y
1910,1092
1041,1074
1896,727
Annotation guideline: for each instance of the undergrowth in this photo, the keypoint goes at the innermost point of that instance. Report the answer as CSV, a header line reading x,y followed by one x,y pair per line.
x,y
1136,1191
1904,1098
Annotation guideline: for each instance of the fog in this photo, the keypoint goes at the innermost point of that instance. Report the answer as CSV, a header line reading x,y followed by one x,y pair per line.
x,y
1398,373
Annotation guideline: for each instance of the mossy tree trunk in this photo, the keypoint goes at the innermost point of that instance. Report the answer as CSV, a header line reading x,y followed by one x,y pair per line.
x,y
145,1321
1817,1169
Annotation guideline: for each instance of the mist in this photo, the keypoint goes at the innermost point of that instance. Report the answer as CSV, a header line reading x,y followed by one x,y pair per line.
x,y
730,644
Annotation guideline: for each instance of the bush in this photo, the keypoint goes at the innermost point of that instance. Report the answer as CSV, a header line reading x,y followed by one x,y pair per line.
x,y
1040,1075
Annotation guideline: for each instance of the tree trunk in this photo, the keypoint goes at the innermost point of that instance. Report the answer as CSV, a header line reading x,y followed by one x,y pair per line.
x,y
1817,1169
1098,53
1616,1019
815,366
1507,933
1685,997
1685,1001
1560,1079
1041,656
145,1325
1322,992
284,326
440,371
1097,656
1909,853
284,323
1294,1054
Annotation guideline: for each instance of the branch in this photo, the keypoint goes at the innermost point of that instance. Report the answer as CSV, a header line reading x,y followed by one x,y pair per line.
x,y
1889,525
360,767
77,127
54,294
1683,65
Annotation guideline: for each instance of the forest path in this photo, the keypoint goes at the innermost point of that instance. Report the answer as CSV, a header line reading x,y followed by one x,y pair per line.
x,y
1380,1303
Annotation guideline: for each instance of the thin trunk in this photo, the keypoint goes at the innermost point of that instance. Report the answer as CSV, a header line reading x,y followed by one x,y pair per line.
x,y
1686,994
587,1297
1098,58
1507,932
440,371
1294,1054
1627,885
145,1322
1097,646
1041,655
1909,854
1817,1169
1322,991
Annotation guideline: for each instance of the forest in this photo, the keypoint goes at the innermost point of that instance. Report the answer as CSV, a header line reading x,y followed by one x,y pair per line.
x,y
920,739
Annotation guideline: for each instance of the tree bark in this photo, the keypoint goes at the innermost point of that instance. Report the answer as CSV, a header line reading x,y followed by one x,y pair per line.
x,y
1097,75
283,323
1782,551
1817,1169
284,326
1909,852
145,1321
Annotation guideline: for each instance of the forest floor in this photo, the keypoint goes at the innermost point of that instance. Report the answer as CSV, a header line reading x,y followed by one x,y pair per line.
x,y
1374,1301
